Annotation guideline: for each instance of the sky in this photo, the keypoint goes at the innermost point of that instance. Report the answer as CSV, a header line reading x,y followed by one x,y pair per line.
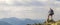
x,y
32,9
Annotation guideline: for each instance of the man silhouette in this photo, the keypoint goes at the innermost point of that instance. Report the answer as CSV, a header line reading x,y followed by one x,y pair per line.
x,y
51,13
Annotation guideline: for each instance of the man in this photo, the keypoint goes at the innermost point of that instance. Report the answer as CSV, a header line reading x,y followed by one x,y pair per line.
x,y
51,13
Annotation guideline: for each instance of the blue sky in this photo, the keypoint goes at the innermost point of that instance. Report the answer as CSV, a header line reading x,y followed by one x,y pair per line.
x,y
33,9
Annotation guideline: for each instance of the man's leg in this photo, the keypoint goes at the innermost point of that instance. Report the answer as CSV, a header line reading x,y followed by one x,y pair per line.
x,y
51,16
48,17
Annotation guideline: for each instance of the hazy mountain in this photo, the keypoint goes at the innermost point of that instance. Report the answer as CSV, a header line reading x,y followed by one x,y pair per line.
x,y
16,21
4,23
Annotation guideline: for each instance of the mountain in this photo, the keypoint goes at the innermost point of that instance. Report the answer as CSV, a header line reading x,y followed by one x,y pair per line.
x,y
16,21
4,23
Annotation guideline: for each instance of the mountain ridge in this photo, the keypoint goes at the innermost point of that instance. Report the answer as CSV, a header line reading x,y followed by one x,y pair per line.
x,y
16,21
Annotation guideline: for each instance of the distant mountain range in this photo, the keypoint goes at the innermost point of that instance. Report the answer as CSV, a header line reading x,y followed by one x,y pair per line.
x,y
16,21
4,23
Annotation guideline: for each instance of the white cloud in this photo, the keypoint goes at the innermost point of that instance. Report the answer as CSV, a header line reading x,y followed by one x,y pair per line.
x,y
23,2
32,9
43,0
20,12
9,1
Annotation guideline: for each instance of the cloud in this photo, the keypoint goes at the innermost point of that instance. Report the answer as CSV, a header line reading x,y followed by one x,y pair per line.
x,y
23,2
33,9
21,12
57,0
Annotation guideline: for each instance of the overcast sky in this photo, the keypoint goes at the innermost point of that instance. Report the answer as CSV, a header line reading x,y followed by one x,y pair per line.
x,y
33,9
